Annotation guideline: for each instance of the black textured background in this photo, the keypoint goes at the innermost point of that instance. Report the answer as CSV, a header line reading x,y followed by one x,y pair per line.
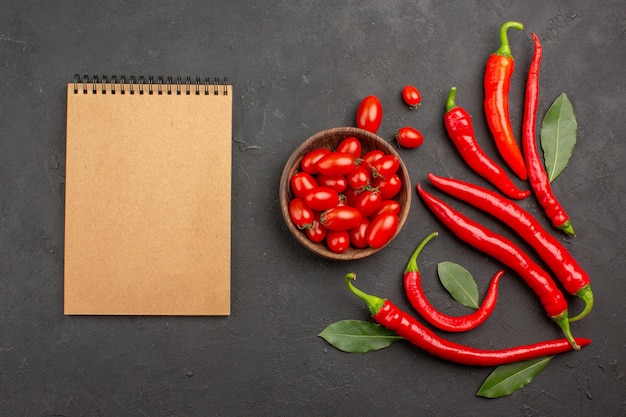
x,y
297,68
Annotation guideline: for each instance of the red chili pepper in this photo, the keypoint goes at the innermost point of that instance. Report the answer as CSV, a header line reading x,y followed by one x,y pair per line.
x,y
574,279
387,314
498,72
460,129
483,239
420,303
539,181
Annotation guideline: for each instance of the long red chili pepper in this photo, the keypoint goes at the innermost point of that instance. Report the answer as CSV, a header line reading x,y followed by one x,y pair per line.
x,y
574,278
483,239
459,125
387,314
498,72
539,181
420,303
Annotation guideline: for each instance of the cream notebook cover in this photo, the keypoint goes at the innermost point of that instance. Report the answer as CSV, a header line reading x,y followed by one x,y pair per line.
x,y
148,197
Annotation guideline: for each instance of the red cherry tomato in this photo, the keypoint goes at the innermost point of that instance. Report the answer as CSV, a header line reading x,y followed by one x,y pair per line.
x,y
338,184
336,164
350,145
301,183
389,187
338,241
301,215
386,166
381,230
409,137
368,202
351,196
369,114
316,233
359,178
388,206
357,234
340,218
321,198
411,96
310,159
373,156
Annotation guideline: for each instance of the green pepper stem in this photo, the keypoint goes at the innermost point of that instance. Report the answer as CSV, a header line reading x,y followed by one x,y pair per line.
x,y
450,104
412,264
373,303
587,296
505,48
563,322
567,228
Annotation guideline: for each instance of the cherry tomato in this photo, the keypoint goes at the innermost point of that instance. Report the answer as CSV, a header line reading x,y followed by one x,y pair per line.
x,y
386,166
340,218
351,196
338,184
373,156
336,164
411,96
357,234
369,114
316,233
388,206
381,230
338,241
368,202
389,187
321,198
409,137
309,160
301,215
350,145
301,183
359,178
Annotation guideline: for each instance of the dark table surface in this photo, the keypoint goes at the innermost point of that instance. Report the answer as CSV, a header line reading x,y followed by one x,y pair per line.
x,y
298,68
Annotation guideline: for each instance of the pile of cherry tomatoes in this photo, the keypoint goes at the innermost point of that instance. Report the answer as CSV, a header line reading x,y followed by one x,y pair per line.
x,y
346,198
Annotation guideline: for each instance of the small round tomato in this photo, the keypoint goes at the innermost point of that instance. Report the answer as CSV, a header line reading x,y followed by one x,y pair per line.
x,y
357,234
336,164
338,184
388,206
409,137
381,230
351,196
373,156
359,178
310,159
338,241
386,166
350,145
389,187
321,198
301,215
301,183
316,233
411,96
340,218
368,202
369,114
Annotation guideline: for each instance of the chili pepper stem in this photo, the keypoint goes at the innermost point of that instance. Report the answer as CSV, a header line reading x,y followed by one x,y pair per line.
x,y
450,103
412,264
505,48
563,322
567,228
373,303
587,296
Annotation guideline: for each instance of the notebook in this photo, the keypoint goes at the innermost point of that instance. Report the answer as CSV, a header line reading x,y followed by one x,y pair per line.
x,y
148,196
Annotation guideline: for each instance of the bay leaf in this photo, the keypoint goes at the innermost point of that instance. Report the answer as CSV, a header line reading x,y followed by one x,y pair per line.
x,y
558,136
356,336
459,283
506,379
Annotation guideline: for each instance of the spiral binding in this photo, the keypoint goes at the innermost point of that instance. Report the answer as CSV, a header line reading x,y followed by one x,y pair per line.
x,y
162,85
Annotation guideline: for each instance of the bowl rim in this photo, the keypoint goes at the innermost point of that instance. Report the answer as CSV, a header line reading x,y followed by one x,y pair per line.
x,y
292,166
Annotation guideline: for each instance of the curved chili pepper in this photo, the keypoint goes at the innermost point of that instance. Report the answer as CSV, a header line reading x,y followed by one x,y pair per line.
x,y
460,129
387,314
483,239
574,278
539,181
498,72
420,303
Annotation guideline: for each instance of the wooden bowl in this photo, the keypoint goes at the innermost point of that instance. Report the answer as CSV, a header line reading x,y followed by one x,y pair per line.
x,y
330,139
